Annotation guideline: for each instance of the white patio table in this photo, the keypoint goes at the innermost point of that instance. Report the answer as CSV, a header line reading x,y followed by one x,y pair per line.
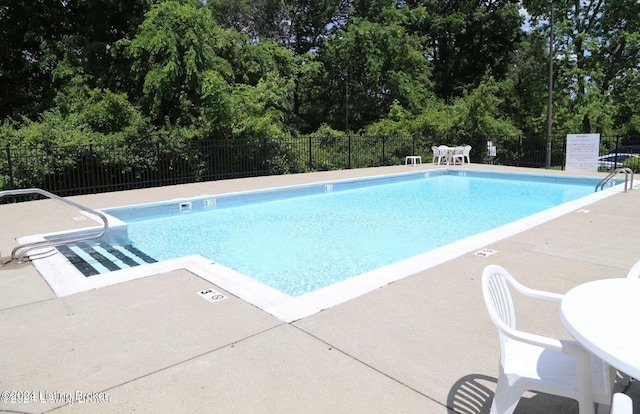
x,y
448,151
603,317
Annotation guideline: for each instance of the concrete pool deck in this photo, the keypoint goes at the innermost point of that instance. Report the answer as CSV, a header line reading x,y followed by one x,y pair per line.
x,y
423,344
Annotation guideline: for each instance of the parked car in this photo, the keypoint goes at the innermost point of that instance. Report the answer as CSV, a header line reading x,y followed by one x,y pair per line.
x,y
614,160
627,149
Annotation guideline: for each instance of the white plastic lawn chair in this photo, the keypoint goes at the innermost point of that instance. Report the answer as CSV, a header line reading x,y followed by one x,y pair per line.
x,y
445,154
458,155
621,404
436,155
466,152
530,362
634,272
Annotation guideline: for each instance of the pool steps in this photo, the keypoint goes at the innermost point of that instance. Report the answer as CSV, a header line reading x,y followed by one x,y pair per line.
x,y
97,258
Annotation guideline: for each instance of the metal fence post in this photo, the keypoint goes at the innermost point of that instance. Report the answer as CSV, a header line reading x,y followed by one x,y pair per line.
x,y
265,156
160,178
519,151
92,169
10,167
310,153
349,150
214,157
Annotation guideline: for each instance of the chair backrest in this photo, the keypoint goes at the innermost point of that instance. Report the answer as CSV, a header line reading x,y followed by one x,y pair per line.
x,y
621,404
436,150
496,283
634,272
497,296
467,150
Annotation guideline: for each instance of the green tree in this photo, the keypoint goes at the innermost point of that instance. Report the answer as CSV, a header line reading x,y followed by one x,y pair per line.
x,y
395,124
434,121
625,94
524,91
259,19
300,25
365,68
178,61
597,47
466,40
47,43
479,115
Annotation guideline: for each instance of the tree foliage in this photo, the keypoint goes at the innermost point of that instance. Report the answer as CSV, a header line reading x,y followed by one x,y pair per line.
x,y
468,39
597,49
181,70
178,62
47,43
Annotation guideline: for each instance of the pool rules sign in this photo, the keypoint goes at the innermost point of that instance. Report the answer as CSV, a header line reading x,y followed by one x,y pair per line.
x,y
582,152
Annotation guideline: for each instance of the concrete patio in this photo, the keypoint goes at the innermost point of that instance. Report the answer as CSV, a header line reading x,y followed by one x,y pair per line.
x,y
424,344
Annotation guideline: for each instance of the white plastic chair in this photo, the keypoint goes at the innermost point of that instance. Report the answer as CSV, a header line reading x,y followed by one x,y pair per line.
x,y
634,272
436,155
458,155
530,362
466,152
621,404
445,154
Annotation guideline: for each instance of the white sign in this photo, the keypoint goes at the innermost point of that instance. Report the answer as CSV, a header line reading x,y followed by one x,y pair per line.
x,y
491,149
582,152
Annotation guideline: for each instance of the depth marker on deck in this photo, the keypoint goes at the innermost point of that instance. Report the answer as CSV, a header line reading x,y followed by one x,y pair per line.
x,y
211,295
485,252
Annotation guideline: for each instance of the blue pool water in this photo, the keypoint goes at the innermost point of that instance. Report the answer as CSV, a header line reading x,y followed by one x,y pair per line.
x,y
300,239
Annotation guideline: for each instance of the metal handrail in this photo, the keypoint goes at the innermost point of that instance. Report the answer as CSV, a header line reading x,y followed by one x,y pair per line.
x,y
23,249
608,178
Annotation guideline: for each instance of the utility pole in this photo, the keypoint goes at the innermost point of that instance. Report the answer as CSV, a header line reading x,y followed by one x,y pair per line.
x,y
346,115
550,91
346,103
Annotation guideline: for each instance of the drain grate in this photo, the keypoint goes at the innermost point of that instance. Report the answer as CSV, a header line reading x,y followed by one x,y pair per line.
x,y
98,258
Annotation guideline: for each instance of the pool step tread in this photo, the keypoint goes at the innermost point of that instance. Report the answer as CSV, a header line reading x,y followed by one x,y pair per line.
x,y
138,253
85,268
97,258
119,256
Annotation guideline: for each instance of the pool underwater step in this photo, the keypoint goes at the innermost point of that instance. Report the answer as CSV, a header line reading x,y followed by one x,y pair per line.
x,y
95,259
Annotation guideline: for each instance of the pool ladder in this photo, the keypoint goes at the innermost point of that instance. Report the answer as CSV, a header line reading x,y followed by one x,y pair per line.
x,y
625,170
20,251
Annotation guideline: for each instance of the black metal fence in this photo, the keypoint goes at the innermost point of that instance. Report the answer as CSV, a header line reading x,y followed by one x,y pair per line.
x,y
84,169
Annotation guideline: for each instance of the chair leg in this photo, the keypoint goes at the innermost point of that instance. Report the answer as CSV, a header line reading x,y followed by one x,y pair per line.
x,y
506,397
586,406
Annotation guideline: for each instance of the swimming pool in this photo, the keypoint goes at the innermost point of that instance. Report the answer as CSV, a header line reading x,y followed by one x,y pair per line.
x,y
452,190
302,239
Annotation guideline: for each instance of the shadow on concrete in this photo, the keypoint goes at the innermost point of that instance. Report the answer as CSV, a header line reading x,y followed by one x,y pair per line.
x,y
473,394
